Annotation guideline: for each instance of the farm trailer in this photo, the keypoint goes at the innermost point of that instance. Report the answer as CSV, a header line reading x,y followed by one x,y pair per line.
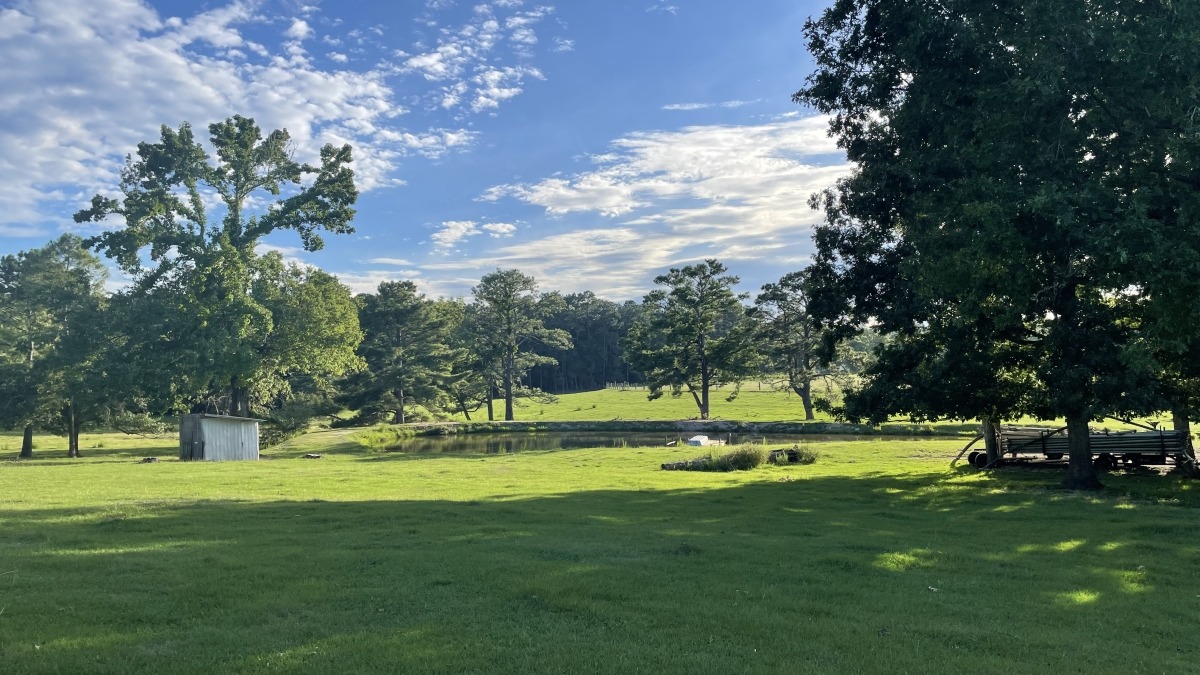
x,y
1109,448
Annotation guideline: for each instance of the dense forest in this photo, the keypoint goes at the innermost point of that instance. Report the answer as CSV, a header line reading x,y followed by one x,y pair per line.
x,y
291,343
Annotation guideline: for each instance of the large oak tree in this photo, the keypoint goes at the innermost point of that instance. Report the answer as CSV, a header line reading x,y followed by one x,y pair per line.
x,y
193,272
1030,164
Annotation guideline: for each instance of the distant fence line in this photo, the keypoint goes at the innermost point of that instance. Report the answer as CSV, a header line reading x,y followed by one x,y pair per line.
x,y
624,386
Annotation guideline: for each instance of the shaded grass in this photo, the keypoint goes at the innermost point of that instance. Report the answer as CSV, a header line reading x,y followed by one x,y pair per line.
x,y
876,559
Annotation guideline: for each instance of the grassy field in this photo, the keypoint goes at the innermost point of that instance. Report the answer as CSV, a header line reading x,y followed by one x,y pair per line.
x,y
878,558
755,403
752,404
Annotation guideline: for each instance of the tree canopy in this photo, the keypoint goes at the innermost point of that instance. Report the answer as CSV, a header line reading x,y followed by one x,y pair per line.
x,y
693,335
50,299
1025,174
509,324
199,283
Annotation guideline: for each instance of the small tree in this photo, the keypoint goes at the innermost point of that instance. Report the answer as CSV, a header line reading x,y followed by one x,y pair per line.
x,y
407,350
50,303
509,324
789,337
694,335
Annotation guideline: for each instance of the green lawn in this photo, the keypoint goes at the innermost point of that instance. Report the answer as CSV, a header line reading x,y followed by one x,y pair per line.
x,y
754,403
878,558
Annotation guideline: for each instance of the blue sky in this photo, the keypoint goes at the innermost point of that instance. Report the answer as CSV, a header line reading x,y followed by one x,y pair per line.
x,y
590,144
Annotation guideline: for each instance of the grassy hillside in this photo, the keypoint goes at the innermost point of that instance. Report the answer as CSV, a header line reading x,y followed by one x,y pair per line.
x,y
752,404
878,558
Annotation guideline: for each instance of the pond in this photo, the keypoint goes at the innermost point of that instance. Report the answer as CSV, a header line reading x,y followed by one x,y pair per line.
x,y
506,443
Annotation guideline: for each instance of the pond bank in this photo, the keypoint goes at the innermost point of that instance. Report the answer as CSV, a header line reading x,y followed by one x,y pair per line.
x,y
707,427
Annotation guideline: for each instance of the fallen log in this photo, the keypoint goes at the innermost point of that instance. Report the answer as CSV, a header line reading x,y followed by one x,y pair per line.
x,y
698,464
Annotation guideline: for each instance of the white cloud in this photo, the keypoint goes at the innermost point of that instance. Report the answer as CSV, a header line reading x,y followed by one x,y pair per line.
x,y
452,232
738,193
367,281
299,30
703,106
612,262
662,7
495,85
85,80
500,229
399,262
463,60
291,254
563,45
524,36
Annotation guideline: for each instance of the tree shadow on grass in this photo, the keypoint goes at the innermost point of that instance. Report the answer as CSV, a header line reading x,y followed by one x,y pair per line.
x,y
835,574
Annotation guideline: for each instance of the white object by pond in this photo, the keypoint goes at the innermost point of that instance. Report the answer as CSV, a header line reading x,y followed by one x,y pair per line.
x,y
698,441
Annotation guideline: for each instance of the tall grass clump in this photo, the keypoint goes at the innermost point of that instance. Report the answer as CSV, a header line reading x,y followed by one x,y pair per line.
x,y
743,458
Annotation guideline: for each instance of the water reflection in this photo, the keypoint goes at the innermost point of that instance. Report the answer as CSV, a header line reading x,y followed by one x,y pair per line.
x,y
500,444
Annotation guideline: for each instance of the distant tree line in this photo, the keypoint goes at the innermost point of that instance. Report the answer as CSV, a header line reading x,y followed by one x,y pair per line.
x,y
209,324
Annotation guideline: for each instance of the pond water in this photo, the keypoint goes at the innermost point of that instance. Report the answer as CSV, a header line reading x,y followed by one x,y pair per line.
x,y
499,444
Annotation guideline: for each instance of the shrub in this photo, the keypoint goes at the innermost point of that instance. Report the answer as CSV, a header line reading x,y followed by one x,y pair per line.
x,y
805,454
743,458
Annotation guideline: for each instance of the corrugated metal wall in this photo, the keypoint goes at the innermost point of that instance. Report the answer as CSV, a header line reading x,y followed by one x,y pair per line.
x,y
191,439
226,439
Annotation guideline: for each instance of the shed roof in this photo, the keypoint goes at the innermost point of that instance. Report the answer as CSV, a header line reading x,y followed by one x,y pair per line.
x,y
231,417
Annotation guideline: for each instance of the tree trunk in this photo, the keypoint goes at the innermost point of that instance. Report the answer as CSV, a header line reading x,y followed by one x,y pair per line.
x,y
400,413
491,410
805,393
508,390
27,443
1180,419
235,397
1081,474
239,398
72,426
990,441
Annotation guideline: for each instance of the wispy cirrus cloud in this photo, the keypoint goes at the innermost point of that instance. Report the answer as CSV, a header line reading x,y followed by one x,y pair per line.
x,y
705,106
735,192
85,80
462,62
452,232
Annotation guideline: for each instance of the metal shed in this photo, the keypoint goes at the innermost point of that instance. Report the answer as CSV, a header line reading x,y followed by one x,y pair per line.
x,y
218,438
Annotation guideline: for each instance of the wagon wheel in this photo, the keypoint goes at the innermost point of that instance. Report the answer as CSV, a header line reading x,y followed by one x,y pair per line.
x,y
1104,462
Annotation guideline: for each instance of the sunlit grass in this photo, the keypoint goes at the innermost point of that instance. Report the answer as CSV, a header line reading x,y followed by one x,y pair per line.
x,y
877,558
